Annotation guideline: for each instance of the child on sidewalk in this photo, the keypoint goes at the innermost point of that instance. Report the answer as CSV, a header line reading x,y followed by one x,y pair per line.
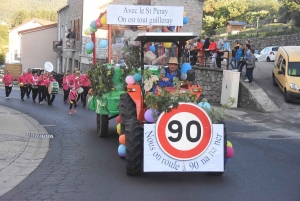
x,y
73,97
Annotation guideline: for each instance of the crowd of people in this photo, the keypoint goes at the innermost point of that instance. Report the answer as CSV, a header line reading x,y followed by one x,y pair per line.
x,y
75,87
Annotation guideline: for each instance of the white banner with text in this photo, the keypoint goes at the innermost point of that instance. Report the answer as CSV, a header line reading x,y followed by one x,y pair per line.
x,y
157,160
145,15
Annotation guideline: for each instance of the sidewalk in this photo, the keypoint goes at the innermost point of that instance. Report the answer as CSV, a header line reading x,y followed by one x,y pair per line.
x,y
20,154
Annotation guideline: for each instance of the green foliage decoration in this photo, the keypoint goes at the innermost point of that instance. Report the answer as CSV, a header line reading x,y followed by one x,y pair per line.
x,y
101,78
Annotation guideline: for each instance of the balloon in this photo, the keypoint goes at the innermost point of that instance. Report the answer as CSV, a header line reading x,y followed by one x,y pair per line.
x,y
89,46
230,152
204,105
137,77
119,128
229,144
122,139
122,150
103,20
171,28
89,51
185,20
166,29
93,30
98,23
184,13
185,67
149,117
103,43
152,48
158,30
129,79
118,119
93,24
227,159
167,44
87,31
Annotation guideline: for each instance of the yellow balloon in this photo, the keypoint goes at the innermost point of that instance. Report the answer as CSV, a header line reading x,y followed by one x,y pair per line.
x,y
167,45
229,144
119,128
187,42
184,13
103,20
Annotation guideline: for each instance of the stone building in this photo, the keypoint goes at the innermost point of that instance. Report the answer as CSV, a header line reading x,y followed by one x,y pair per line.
x,y
78,14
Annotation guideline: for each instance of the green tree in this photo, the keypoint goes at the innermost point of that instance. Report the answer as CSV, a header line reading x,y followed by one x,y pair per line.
x,y
19,17
287,10
2,58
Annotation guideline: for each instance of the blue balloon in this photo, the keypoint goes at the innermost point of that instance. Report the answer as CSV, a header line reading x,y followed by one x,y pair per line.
x,y
93,25
137,77
122,150
227,159
152,48
185,20
171,28
185,67
103,43
158,30
89,46
204,105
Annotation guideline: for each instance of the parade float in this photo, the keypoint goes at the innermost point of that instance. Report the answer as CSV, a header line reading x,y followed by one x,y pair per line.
x,y
161,129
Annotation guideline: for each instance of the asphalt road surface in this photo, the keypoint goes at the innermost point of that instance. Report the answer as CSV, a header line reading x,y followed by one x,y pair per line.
x,y
81,166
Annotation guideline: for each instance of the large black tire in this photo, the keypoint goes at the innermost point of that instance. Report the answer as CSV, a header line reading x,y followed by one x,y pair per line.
x,y
127,110
225,153
268,59
103,125
98,122
134,147
274,81
287,99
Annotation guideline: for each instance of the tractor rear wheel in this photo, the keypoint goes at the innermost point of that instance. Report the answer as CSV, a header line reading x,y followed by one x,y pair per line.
x,y
127,110
225,153
103,125
134,147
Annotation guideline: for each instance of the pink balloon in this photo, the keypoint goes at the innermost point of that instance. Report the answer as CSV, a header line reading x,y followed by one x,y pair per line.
x,y
98,23
230,152
129,79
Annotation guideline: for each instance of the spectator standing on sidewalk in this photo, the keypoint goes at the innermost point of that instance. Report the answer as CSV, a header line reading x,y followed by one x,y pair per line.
x,y
223,53
250,67
206,50
246,58
239,56
233,60
8,79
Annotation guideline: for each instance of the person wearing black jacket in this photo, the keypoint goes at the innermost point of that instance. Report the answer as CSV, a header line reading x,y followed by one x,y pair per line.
x,y
206,51
232,59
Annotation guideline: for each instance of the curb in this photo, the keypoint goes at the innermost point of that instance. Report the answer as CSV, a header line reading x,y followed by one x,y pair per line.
x,y
29,160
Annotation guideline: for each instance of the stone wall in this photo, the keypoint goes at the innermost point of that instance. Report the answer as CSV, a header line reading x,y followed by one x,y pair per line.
x,y
261,43
210,79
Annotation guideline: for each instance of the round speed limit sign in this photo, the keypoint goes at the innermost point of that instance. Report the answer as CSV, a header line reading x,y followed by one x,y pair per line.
x,y
185,132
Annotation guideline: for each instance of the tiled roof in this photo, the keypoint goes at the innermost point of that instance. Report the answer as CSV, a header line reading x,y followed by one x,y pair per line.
x,y
38,28
234,23
40,21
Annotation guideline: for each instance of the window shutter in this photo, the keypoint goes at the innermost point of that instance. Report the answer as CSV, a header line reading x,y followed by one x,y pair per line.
x,y
144,2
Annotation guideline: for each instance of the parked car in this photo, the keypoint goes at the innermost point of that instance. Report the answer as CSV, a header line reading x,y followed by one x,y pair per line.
x,y
268,54
256,53
286,72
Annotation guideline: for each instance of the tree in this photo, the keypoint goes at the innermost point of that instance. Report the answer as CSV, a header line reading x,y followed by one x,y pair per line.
x,y
19,17
288,9
2,58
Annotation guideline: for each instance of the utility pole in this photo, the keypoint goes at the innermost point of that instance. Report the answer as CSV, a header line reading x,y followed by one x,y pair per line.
x,y
257,22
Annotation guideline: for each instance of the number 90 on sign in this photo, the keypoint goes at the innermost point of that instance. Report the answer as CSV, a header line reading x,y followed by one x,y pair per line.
x,y
185,132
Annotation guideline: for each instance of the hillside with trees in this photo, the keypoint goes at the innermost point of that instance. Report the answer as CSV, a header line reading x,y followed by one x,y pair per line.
x,y
218,12
8,8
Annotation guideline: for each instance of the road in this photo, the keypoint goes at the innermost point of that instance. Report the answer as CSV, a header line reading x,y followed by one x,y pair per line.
x,y
81,166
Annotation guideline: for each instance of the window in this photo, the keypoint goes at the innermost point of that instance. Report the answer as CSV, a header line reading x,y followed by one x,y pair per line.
x,y
279,61
144,2
294,69
283,65
275,49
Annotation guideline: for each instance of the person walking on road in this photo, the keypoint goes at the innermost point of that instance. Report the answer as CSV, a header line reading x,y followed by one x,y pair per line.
x,y
66,85
23,82
42,87
7,80
250,67
86,85
50,97
29,87
34,84
73,98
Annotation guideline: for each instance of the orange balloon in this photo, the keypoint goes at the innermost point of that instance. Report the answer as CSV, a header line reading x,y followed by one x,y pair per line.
x,y
122,139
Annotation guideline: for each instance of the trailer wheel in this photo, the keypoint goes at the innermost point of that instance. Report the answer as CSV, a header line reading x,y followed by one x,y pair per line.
x,y
225,153
127,110
103,125
98,122
134,147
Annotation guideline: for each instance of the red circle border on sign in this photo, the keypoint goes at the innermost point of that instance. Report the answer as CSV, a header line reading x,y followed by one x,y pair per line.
x,y
184,154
